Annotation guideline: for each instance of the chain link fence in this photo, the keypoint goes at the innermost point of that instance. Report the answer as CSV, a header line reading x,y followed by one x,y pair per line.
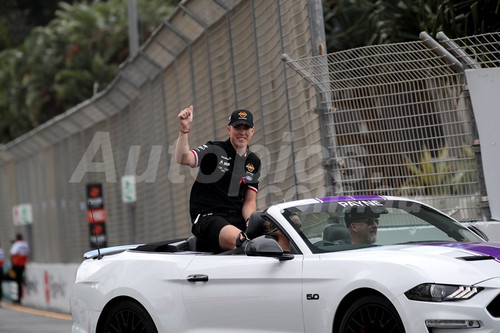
x,y
390,119
397,119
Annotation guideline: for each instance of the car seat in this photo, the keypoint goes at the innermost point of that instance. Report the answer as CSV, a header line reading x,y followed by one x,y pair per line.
x,y
335,232
192,240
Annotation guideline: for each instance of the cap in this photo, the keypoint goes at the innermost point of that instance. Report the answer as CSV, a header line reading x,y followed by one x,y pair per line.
x,y
241,117
359,213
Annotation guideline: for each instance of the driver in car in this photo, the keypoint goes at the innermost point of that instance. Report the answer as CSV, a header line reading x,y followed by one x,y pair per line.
x,y
362,225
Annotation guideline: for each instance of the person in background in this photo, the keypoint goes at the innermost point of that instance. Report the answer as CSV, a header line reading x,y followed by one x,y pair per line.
x,y
19,254
2,258
224,193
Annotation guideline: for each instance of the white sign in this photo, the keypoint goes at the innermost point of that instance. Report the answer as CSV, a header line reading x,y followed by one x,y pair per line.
x,y
22,214
129,193
484,85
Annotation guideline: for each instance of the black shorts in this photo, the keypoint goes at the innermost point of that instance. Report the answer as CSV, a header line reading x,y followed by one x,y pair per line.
x,y
208,227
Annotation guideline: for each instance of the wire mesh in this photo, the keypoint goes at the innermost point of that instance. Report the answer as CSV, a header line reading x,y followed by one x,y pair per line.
x,y
481,50
399,121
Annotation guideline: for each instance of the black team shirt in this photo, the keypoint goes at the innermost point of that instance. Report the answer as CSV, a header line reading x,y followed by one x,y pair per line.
x,y
223,178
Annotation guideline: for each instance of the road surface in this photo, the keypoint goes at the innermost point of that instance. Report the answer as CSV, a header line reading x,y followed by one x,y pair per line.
x,y
20,319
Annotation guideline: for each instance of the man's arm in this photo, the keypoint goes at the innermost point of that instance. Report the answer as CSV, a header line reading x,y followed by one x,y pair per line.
x,y
249,204
182,152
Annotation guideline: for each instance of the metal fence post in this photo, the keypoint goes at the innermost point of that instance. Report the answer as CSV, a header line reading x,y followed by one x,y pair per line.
x,y
333,176
469,62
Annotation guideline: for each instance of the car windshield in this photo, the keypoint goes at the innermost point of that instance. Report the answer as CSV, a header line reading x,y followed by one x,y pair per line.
x,y
334,224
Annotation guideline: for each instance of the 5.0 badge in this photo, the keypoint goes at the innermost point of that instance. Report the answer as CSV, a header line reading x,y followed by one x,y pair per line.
x,y
311,297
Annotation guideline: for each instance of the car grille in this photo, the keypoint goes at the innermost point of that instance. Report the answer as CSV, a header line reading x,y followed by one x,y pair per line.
x,y
494,307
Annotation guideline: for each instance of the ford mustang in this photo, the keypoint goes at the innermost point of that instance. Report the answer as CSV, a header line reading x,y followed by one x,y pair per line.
x,y
360,264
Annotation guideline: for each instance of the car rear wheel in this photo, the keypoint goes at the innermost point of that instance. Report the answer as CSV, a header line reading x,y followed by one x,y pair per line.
x,y
371,314
128,317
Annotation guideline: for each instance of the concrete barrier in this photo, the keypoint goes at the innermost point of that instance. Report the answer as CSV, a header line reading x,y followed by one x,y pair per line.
x,y
48,286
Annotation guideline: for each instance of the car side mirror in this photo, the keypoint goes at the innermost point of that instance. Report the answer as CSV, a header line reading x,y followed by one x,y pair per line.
x,y
266,246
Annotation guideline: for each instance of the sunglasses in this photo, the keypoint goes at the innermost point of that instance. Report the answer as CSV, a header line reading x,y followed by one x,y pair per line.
x,y
369,221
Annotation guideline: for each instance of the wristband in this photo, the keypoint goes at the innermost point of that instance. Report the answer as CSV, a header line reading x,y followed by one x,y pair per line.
x,y
185,132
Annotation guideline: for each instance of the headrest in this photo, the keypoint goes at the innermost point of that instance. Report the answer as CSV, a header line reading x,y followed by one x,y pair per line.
x,y
333,232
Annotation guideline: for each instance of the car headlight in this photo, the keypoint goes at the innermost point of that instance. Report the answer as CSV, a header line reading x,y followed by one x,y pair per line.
x,y
432,292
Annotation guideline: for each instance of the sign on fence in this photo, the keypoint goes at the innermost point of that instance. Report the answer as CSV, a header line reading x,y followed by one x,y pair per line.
x,y
22,214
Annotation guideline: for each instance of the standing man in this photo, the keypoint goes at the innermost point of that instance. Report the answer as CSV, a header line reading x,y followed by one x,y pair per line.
x,y
19,253
224,193
1,271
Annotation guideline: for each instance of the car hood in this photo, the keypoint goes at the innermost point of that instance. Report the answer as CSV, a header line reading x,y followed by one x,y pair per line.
x,y
467,263
466,251
477,251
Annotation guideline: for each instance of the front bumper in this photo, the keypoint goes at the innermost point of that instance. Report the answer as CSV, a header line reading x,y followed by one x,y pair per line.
x,y
480,314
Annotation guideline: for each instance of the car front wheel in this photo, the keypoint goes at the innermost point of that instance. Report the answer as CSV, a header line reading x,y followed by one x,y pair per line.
x,y
127,317
371,314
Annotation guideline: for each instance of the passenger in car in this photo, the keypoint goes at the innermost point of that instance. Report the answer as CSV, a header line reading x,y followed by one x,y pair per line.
x,y
295,218
225,190
278,235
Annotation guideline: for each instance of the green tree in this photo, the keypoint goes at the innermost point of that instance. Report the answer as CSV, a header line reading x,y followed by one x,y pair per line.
x,y
356,23
19,17
58,65
13,110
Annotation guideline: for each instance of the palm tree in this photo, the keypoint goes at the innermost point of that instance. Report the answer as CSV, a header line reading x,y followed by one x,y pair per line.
x,y
13,112
57,65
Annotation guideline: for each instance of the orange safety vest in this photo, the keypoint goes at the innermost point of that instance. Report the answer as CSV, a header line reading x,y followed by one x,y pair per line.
x,y
19,253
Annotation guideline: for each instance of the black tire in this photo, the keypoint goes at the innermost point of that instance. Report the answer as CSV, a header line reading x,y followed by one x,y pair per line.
x,y
371,314
127,317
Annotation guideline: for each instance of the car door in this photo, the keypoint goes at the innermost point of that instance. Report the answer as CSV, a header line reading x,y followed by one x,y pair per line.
x,y
239,293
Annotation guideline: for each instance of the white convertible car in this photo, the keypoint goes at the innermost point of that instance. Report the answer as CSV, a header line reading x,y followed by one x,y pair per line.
x,y
420,272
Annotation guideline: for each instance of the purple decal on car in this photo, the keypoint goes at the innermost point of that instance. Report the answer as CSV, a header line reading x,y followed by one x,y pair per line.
x,y
350,198
490,249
